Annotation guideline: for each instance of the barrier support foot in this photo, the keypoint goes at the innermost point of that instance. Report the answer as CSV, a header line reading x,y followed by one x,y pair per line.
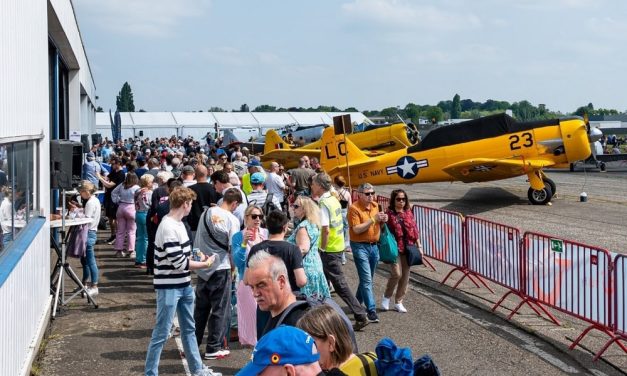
x,y
615,338
553,318
473,274
427,262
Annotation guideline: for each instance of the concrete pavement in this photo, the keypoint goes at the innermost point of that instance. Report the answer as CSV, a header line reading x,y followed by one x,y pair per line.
x,y
455,327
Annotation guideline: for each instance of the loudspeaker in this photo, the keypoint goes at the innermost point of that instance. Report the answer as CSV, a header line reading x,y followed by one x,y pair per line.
x,y
96,138
66,162
85,142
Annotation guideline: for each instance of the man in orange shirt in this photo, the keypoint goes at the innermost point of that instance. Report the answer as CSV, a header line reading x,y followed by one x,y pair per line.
x,y
364,222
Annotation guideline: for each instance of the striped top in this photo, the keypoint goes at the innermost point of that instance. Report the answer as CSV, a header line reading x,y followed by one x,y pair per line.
x,y
172,251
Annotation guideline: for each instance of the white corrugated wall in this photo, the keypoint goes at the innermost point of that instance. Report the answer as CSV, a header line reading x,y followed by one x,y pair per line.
x,y
26,300
24,110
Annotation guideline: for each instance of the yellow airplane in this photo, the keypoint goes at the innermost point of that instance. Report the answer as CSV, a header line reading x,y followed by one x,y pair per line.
x,y
376,142
490,148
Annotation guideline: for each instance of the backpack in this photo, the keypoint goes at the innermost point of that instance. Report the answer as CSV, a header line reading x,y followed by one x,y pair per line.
x,y
302,299
269,206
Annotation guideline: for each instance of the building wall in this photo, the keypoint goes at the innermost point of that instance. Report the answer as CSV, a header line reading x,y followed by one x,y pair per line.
x,y
26,26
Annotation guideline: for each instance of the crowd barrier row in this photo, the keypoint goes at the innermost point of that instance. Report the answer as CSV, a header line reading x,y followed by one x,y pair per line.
x,y
544,271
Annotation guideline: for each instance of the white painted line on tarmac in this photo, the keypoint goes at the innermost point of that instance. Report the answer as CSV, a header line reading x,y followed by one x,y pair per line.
x,y
179,345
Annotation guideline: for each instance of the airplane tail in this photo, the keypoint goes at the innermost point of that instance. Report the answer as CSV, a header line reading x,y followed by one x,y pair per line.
x,y
274,141
338,150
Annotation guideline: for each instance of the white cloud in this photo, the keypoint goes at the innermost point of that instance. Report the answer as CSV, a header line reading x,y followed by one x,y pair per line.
x,y
268,58
397,14
608,27
227,56
559,5
148,18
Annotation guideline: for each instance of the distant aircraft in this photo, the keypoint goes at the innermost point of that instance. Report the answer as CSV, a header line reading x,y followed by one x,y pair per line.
x,y
375,140
307,132
598,158
490,148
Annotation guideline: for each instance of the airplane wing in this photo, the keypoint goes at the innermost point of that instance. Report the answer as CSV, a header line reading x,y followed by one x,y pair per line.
x,y
487,169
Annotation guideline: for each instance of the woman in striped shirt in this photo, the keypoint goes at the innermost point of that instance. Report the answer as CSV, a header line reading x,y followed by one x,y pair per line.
x,y
172,282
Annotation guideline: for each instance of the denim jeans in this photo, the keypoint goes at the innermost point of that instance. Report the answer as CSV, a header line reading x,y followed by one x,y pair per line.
x,y
90,269
366,257
6,239
169,302
141,240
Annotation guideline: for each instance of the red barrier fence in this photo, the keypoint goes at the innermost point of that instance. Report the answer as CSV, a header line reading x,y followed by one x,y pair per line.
x,y
619,303
494,253
441,235
574,278
571,277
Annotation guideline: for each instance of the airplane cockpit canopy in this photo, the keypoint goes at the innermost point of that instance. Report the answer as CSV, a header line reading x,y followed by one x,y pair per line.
x,y
478,129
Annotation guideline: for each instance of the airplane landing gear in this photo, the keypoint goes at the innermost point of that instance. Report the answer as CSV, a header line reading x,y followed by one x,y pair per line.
x,y
540,196
551,184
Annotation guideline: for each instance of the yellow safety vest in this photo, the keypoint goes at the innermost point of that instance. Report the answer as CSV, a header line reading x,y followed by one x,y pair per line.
x,y
246,187
335,243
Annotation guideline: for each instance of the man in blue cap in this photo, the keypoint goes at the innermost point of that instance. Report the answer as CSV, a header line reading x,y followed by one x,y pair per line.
x,y
259,195
286,350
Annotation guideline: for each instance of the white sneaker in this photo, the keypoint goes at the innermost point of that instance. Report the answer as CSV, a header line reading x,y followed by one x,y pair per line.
x,y
92,291
206,371
220,354
400,308
385,303
132,254
119,254
123,254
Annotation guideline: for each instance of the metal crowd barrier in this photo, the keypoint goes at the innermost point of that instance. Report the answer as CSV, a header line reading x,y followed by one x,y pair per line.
x,y
619,312
574,278
494,253
441,235
568,276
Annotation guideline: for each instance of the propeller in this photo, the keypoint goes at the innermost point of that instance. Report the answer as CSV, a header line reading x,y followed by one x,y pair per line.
x,y
412,133
594,134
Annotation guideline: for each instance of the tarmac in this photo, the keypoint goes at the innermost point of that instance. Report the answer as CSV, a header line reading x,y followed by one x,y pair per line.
x,y
456,327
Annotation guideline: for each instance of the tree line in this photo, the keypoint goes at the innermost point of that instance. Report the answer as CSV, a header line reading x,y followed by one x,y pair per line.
x,y
456,108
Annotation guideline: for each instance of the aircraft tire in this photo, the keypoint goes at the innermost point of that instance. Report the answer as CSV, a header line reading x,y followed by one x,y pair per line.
x,y
602,166
551,184
572,167
541,196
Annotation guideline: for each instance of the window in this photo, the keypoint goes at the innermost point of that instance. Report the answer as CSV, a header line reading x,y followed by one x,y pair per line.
x,y
19,187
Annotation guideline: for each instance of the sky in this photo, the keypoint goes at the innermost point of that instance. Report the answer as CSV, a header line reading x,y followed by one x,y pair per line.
x,y
190,55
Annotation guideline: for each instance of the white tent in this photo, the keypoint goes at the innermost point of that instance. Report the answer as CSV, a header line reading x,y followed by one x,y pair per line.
x,y
197,124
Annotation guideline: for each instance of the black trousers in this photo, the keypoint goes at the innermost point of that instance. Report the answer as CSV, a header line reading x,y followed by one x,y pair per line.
x,y
213,299
332,266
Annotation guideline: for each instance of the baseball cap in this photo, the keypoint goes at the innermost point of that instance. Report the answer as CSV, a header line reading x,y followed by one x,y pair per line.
x,y
254,163
147,151
140,158
281,346
90,155
187,169
257,178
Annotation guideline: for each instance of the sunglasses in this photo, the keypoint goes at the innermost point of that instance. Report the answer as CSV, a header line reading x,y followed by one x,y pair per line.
x,y
401,199
256,216
368,193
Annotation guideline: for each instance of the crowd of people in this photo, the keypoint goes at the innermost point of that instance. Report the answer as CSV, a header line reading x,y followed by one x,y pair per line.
x,y
272,238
